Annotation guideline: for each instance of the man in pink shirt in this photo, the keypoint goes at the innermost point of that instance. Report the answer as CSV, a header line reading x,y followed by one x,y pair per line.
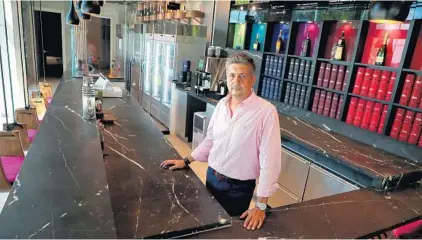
x,y
242,145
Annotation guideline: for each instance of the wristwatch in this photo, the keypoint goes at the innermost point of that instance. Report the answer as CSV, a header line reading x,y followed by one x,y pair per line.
x,y
261,206
187,162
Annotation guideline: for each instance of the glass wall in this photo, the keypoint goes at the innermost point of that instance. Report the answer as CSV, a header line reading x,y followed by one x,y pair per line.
x,y
12,61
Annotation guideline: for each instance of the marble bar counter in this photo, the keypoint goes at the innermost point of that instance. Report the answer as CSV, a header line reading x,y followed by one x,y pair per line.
x,y
364,164
363,213
61,190
67,189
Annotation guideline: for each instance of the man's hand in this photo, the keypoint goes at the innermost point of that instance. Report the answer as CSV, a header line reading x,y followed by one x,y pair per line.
x,y
254,218
173,164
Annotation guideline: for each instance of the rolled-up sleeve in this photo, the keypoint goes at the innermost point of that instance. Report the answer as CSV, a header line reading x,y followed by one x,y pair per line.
x,y
269,155
202,152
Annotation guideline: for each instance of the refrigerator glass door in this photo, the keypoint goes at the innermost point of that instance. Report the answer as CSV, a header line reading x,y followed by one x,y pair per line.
x,y
158,70
169,71
149,65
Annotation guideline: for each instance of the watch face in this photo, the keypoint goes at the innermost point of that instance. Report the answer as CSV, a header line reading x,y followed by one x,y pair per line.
x,y
261,206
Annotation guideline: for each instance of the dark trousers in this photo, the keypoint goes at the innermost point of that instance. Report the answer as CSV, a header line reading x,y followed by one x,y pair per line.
x,y
234,195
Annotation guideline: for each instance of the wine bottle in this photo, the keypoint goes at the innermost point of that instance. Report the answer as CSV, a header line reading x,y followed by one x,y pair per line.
x,y
279,45
341,44
306,46
380,59
257,45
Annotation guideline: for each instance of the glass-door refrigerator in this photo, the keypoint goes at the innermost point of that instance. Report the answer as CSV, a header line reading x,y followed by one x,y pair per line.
x,y
148,71
157,77
168,75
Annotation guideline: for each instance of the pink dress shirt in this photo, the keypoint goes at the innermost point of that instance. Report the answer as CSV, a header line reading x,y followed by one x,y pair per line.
x,y
246,145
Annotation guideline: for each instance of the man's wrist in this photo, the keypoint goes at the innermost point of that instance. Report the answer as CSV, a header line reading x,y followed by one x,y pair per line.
x,y
186,161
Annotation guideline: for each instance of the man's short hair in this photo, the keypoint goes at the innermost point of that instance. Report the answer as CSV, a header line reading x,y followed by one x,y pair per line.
x,y
240,58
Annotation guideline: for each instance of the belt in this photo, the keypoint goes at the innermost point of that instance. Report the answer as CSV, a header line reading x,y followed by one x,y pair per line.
x,y
221,177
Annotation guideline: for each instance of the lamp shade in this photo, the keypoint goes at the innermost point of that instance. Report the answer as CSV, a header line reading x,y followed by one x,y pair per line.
x,y
90,7
389,11
71,17
101,3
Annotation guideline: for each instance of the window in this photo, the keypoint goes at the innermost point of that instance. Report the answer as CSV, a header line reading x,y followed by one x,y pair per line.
x,y
11,62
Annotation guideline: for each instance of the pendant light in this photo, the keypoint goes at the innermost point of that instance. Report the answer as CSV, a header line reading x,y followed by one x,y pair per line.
x,y
71,17
101,3
389,11
90,7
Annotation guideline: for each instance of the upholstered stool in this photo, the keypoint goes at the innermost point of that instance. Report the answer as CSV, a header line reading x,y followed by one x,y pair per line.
x,y
11,157
28,117
40,105
46,91
22,128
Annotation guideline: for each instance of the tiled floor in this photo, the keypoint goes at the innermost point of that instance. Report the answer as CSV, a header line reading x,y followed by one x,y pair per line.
x,y
3,198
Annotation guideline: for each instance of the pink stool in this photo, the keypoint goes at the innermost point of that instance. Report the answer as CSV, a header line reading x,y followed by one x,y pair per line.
x,y
11,167
31,134
409,230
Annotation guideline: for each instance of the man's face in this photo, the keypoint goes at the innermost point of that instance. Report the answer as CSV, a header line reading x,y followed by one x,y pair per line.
x,y
240,79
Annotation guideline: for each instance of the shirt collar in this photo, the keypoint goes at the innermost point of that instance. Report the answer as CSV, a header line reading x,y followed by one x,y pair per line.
x,y
248,100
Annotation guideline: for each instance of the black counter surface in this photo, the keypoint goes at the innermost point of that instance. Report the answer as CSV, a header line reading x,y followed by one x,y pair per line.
x,y
61,190
65,188
358,214
148,201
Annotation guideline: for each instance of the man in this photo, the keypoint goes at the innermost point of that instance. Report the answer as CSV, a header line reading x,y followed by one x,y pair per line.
x,y
242,145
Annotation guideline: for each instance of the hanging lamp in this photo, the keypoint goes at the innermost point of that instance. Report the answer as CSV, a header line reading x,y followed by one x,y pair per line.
x,y
90,7
101,3
72,17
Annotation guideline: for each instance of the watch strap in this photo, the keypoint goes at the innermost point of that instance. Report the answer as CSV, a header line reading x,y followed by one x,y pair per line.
x,y
187,162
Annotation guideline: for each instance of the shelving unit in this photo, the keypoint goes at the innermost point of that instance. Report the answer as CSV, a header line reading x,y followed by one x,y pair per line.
x,y
344,63
408,108
378,67
362,38
369,98
328,89
296,82
417,72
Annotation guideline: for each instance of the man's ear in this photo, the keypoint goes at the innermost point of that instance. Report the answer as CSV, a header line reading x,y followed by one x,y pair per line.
x,y
253,78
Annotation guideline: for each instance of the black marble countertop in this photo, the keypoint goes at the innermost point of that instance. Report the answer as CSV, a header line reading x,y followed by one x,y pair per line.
x,y
362,213
61,190
66,189
148,201
387,170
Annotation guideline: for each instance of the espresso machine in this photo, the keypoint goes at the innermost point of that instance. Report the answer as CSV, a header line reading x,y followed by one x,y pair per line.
x,y
210,73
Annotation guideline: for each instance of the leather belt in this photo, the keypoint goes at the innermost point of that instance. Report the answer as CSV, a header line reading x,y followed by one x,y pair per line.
x,y
221,177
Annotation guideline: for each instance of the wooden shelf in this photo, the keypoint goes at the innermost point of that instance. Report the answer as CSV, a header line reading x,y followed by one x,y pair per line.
x,y
369,98
304,58
408,108
383,68
269,76
344,63
275,54
300,83
329,89
417,72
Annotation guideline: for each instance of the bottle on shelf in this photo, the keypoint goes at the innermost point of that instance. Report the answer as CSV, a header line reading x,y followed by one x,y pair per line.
x,y
339,48
279,45
222,88
380,59
306,46
257,44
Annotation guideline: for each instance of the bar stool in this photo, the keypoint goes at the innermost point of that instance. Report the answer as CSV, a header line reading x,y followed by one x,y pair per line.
x,y
46,91
22,128
40,105
11,157
28,117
